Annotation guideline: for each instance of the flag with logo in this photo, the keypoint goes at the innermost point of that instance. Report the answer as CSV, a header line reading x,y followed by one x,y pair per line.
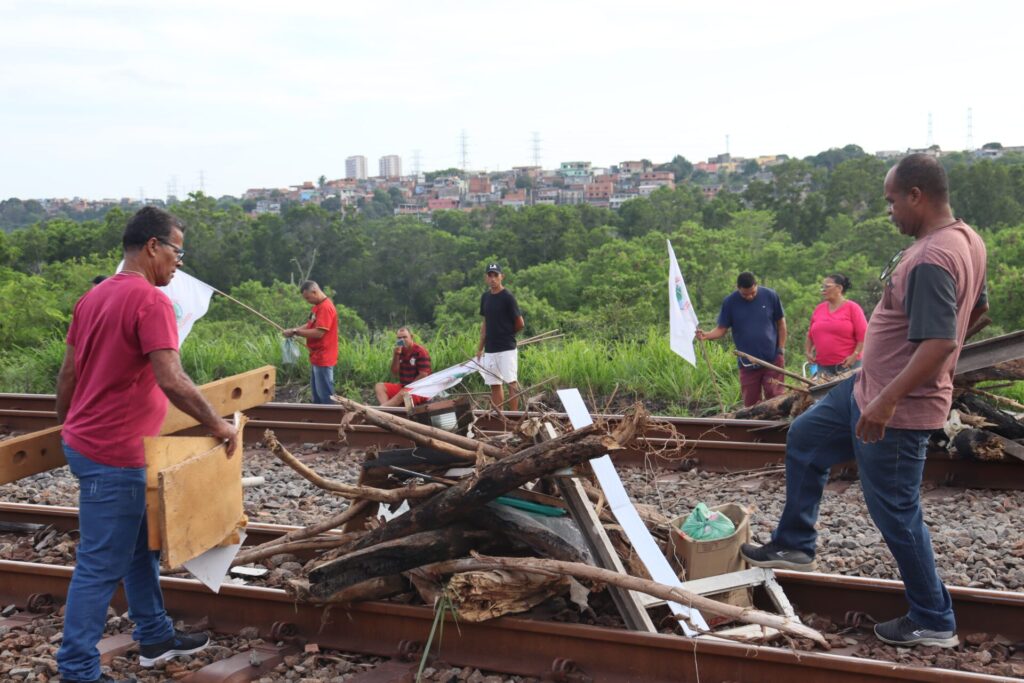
x,y
681,317
190,298
434,383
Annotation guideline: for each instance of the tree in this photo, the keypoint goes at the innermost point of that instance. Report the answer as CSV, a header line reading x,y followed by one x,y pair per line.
x,y
321,181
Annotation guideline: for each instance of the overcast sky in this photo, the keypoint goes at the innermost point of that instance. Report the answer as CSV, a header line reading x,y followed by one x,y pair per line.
x,y
108,98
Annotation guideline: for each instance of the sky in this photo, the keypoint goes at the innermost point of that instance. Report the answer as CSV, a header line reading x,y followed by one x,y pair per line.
x,y
108,98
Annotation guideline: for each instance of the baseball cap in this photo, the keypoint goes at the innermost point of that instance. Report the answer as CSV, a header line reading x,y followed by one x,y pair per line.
x,y
493,268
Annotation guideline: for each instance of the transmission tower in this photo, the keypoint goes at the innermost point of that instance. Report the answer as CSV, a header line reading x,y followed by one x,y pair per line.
x,y
931,140
464,147
970,129
172,189
415,162
202,181
536,149
727,144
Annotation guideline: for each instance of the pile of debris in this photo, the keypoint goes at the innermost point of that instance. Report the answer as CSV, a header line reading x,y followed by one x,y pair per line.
x,y
488,527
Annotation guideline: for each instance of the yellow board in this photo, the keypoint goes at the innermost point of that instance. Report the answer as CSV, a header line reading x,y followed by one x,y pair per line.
x,y
41,451
193,494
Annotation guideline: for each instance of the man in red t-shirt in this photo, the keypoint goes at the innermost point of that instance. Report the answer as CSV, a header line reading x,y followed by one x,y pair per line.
x,y
409,362
120,367
321,335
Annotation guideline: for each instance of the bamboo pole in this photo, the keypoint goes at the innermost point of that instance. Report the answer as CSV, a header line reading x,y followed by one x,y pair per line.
x,y
245,306
659,590
776,368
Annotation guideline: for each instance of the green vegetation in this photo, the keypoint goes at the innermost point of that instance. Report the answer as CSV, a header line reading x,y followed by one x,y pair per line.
x,y
595,274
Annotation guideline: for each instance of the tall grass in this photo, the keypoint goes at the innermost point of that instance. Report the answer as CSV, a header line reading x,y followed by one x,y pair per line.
x,y
643,368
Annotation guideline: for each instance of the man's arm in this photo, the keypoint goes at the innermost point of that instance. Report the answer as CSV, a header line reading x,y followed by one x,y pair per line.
x,y
483,336
67,378
518,325
783,331
716,333
396,360
928,359
306,332
180,390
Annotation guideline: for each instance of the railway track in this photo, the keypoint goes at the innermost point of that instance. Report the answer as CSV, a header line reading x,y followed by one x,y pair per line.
x,y
553,651
677,443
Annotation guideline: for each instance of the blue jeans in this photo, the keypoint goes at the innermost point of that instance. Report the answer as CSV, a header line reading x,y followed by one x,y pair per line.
x,y
890,476
321,381
113,546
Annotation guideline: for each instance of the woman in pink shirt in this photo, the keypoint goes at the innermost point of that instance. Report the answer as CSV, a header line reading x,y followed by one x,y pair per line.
x,y
836,335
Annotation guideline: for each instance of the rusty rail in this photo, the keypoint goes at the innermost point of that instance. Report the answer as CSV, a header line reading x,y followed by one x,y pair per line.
x,y
712,445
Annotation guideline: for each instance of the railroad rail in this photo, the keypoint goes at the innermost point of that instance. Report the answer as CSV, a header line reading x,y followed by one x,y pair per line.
x,y
715,445
555,651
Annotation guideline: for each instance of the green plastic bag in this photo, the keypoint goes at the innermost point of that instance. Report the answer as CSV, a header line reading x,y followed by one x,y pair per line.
x,y
704,524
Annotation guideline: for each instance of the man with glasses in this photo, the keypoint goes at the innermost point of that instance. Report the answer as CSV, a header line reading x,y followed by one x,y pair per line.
x,y
934,294
120,367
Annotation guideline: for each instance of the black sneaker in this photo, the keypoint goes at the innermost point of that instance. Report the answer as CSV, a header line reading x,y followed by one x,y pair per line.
x,y
774,557
905,633
180,644
104,678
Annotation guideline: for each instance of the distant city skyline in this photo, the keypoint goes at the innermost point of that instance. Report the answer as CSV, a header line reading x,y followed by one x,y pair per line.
x,y
104,98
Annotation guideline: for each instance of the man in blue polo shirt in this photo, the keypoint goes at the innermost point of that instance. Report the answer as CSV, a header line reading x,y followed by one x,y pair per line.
x,y
758,326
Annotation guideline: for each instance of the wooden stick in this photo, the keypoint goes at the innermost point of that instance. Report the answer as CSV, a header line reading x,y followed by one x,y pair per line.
x,y
711,374
659,590
271,546
348,490
246,307
776,368
418,432
996,397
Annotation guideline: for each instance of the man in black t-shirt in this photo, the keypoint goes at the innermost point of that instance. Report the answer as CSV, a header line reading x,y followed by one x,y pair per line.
x,y
502,320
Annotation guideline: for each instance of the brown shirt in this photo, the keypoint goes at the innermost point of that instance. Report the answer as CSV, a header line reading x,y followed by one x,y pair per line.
x,y
959,251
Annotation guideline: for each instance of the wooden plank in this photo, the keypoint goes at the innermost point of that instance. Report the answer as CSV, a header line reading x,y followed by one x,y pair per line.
x,y
163,452
200,498
628,602
41,451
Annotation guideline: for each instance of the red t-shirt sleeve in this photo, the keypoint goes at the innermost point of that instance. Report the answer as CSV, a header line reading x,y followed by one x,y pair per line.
x,y
156,326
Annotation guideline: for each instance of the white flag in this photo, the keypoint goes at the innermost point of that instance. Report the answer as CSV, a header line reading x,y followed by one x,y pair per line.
x,y
433,384
681,318
190,298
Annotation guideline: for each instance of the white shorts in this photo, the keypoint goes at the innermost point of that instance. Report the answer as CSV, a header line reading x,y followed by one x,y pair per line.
x,y
501,367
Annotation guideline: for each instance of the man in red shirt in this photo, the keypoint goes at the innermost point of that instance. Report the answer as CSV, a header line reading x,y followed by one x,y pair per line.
x,y
120,367
321,335
409,362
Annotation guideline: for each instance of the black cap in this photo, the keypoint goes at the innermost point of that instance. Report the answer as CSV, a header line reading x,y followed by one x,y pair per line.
x,y
493,268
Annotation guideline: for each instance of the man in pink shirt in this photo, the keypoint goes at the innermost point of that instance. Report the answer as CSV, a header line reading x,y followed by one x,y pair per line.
x,y
120,367
934,293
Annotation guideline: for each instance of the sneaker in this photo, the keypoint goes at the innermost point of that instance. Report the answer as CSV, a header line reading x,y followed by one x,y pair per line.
x,y
774,557
104,678
180,644
905,633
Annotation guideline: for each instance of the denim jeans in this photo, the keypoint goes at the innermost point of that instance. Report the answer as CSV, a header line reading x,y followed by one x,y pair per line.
x,y
321,381
890,476
113,546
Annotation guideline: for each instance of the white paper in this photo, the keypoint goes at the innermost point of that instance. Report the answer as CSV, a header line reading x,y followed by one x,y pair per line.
x,y
384,510
682,321
212,566
636,531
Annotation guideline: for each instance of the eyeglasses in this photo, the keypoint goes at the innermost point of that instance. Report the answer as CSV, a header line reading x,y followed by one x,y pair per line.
x,y
178,251
887,272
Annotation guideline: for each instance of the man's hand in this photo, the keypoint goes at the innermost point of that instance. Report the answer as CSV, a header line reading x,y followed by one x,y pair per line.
x,y
850,360
871,425
700,334
226,431
290,332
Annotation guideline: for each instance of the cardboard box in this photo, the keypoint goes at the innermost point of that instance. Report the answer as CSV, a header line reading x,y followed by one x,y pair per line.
x,y
699,559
